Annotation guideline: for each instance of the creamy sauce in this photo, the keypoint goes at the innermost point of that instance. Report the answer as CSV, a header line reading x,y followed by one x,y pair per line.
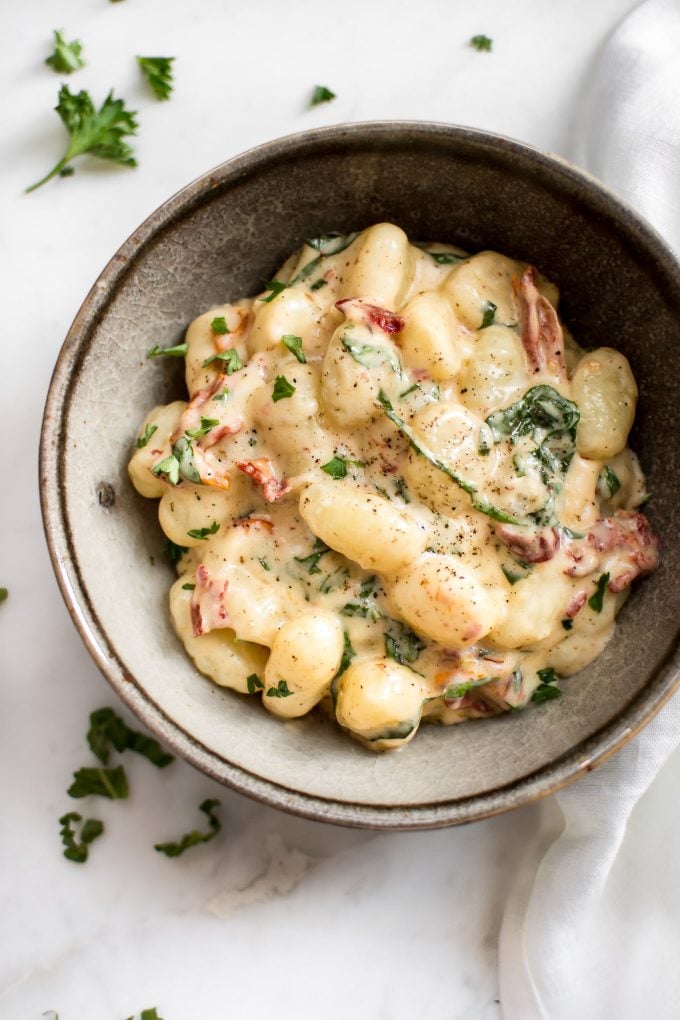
x,y
402,491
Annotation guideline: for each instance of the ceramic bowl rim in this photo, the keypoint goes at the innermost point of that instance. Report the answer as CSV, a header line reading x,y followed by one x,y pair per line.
x,y
551,777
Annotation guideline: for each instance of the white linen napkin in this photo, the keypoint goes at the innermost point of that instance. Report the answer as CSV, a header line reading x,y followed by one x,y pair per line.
x,y
591,928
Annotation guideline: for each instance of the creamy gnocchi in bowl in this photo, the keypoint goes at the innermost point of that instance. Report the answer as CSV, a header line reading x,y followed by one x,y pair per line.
x,y
398,490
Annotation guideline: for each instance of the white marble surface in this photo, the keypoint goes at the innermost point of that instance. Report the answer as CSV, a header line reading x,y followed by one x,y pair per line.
x,y
384,926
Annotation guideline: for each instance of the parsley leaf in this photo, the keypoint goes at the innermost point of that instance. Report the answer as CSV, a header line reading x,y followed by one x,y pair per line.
x,y
144,439
513,576
254,683
96,782
66,57
546,689
169,467
195,837
460,690
321,94
294,345
337,466
311,561
146,1014
488,314
4,593
231,358
207,424
280,691
608,483
348,654
366,606
482,43
204,532
107,728
188,586
370,355
178,351
282,389
402,645
158,74
596,601
219,325
445,258
173,551
90,831
99,132
275,287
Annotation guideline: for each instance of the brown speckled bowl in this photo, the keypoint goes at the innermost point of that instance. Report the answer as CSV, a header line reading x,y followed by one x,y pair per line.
x,y
222,237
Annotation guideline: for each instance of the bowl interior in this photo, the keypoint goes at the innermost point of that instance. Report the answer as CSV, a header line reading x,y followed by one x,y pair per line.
x,y
223,237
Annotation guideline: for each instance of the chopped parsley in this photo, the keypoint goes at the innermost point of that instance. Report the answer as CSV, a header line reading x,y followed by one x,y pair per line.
x,y
254,683
158,74
596,601
188,586
144,439
321,94
264,563
489,310
231,358
348,654
311,561
547,689
195,837
294,345
366,606
331,244
107,728
370,355
402,490
567,623
318,284
401,644
180,462
96,782
90,830
513,576
178,351
207,424
203,533
337,467
282,388
174,552
608,483
4,593
66,56
146,1014
275,287
445,258
280,691
98,132
482,43
219,325
460,690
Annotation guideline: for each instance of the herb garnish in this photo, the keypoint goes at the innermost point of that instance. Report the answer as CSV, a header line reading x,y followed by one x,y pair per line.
x,y
254,683
204,532
96,782
311,561
608,483
282,388
337,466
567,623
107,728
66,57
513,576
158,74
219,325
460,690
547,689
146,1014
370,355
294,345
275,287
178,351
321,94
596,601
188,586
3,594
180,462
99,132
91,830
144,439
348,654
280,691
174,552
481,43
195,837
318,284
207,424
402,490
445,258
482,505
366,607
401,644
231,358
264,563
489,310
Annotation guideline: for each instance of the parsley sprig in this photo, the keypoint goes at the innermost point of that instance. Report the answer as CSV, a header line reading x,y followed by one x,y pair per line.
x,y
66,57
97,132
107,730
193,838
90,830
158,74
321,94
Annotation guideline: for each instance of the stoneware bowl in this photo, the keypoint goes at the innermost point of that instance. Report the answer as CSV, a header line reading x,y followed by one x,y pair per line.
x,y
223,236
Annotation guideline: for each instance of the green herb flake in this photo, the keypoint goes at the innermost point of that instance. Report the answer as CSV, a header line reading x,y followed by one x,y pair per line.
x,y
204,533
482,43
402,645
173,551
274,287
158,74
146,1014
371,355
66,56
489,310
280,691
567,623
348,654
321,94
311,561
294,345
207,424
178,351
96,782
596,601
264,563
513,576
188,586
318,284
231,361
446,258
608,483
98,132
282,389
174,849
402,490
547,689
219,325
108,729
337,467
144,439
4,594
90,830
460,690
254,683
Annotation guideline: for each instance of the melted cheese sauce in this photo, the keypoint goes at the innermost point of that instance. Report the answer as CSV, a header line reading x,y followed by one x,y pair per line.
x,y
401,491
